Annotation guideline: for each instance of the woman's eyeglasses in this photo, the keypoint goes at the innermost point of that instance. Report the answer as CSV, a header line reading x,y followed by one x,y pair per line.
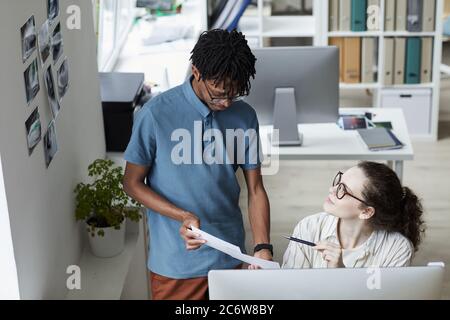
x,y
219,100
341,190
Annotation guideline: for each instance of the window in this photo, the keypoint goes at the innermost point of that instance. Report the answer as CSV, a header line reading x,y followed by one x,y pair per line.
x,y
115,20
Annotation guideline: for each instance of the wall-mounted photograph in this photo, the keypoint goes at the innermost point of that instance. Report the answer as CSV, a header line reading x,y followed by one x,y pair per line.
x,y
51,92
28,32
44,42
50,143
33,127
31,81
57,43
62,76
52,10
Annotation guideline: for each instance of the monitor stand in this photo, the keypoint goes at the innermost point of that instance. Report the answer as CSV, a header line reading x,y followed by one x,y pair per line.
x,y
285,118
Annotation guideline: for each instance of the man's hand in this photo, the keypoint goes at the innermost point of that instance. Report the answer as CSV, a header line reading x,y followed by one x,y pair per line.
x,y
262,254
332,253
190,237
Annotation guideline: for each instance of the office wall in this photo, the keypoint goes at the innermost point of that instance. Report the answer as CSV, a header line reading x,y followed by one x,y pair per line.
x,y
40,201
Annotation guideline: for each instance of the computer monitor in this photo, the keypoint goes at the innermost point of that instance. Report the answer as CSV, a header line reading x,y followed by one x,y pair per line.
x,y
409,283
295,85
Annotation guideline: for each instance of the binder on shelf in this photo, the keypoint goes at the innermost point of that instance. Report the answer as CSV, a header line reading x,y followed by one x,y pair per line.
x,y
368,60
427,60
334,15
413,52
389,23
220,22
345,12
388,77
339,42
358,13
400,14
414,20
352,60
399,60
371,3
237,14
429,16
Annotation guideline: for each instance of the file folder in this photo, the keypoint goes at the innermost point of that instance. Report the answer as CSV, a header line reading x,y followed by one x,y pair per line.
x,y
345,12
427,60
400,15
389,24
359,8
388,77
429,16
368,60
371,3
413,61
399,62
334,15
352,60
414,23
339,42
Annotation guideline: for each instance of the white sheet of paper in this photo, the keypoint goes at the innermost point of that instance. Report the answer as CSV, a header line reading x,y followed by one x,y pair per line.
x,y
234,251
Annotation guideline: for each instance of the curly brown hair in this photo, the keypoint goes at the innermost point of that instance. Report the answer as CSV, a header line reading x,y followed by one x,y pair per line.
x,y
397,208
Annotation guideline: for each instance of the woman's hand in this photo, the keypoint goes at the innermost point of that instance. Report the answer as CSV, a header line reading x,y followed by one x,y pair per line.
x,y
331,253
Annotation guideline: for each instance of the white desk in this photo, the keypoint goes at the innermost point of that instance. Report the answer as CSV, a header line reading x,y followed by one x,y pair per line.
x,y
329,142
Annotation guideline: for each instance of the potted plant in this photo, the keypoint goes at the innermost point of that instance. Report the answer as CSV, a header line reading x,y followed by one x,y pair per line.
x,y
104,206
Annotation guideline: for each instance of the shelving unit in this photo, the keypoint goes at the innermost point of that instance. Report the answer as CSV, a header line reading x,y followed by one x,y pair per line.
x,y
379,86
258,24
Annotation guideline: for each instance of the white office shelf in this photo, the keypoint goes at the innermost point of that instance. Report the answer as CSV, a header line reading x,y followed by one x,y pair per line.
x,y
359,86
289,26
259,23
323,29
354,34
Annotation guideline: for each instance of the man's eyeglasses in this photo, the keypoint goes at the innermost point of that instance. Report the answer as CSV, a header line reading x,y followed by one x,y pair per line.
x,y
218,100
341,190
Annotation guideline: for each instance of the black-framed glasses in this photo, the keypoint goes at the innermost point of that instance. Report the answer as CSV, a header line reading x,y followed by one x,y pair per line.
x,y
218,100
341,190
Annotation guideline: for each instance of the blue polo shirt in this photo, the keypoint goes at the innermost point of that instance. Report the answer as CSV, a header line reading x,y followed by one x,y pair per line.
x,y
182,141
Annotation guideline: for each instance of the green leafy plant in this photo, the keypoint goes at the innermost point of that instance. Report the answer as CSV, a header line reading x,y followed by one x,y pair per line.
x,y
104,203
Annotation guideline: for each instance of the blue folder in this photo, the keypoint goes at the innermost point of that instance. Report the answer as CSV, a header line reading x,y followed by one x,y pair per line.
x,y
359,8
413,60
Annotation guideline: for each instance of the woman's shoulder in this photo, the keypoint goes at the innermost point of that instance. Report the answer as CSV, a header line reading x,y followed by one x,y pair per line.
x,y
394,243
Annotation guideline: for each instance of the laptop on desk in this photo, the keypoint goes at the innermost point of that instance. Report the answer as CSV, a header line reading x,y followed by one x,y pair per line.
x,y
410,283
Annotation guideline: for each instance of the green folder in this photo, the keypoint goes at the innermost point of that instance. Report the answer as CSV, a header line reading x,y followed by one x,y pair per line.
x,y
413,60
359,8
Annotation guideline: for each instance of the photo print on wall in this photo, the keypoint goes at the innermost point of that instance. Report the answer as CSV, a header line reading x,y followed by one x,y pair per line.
x,y
51,92
34,131
52,10
44,41
28,32
57,43
50,144
62,76
31,78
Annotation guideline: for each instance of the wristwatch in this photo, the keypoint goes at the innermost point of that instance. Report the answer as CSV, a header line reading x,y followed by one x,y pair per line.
x,y
263,246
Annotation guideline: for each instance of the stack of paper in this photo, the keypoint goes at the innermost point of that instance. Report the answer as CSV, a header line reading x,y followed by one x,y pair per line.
x,y
234,251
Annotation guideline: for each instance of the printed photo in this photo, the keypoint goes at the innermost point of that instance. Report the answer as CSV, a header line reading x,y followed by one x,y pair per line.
x,y
52,10
28,32
44,42
33,127
57,43
51,92
50,144
62,76
31,81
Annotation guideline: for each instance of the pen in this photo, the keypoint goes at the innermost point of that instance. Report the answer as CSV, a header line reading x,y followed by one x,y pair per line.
x,y
311,244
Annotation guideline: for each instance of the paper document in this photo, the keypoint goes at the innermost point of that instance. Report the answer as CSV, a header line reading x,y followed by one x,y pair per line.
x,y
234,251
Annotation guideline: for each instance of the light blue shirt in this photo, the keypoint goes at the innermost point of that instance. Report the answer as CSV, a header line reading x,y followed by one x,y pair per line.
x,y
210,191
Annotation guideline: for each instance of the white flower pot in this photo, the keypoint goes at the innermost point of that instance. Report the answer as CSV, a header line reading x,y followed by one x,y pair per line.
x,y
111,244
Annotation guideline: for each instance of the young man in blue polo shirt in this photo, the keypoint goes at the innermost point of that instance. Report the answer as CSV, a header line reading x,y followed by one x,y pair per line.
x,y
186,147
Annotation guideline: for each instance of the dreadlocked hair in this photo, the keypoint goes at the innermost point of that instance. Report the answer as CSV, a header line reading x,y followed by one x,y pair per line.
x,y
221,55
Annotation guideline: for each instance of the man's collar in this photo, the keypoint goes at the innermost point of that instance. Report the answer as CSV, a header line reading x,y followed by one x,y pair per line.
x,y
194,100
